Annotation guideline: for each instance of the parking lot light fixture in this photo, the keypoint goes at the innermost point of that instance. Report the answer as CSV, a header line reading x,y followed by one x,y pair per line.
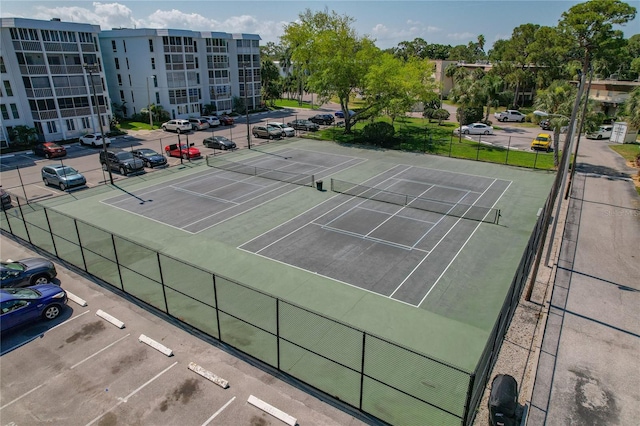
x,y
91,68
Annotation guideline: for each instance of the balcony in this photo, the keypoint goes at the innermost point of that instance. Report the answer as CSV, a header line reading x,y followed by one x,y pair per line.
x,y
60,47
172,49
33,69
44,115
39,93
88,47
66,69
219,80
73,91
79,112
27,45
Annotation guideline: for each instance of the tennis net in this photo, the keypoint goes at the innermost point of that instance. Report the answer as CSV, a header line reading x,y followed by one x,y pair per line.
x,y
279,175
466,211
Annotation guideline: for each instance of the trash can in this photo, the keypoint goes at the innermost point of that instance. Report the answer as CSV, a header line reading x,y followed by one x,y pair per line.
x,y
319,185
503,401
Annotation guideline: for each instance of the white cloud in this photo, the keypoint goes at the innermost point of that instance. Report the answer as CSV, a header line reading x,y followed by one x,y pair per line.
x,y
462,36
388,37
107,15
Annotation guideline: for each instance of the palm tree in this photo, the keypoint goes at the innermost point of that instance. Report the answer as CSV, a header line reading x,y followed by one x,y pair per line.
x,y
633,108
492,86
24,135
557,99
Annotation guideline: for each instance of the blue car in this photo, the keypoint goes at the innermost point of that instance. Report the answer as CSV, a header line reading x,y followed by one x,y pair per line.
x,y
27,305
149,157
340,114
26,272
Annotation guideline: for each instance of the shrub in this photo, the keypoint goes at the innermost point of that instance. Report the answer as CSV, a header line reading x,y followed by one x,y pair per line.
x,y
379,133
469,114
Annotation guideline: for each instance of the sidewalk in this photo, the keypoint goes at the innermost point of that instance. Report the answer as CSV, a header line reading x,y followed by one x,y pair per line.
x,y
574,348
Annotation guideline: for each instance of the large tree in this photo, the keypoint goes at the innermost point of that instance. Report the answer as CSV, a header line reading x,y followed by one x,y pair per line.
x,y
588,27
335,58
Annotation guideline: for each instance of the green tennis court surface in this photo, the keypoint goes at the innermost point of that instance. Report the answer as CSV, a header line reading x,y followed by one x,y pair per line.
x,y
416,249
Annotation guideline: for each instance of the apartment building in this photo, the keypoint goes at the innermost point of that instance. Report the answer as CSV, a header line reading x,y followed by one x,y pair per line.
x,y
45,68
181,70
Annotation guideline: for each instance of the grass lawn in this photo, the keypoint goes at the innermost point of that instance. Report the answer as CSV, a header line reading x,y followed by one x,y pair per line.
x,y
293,103
416,134
629,151
136,125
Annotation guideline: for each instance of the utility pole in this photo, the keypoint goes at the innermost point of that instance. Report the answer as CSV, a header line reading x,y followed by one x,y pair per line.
x,y
149,104
246,105
91,68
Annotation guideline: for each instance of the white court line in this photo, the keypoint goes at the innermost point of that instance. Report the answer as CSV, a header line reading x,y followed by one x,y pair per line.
x,y
465,243
101,350
436,245
400,216
22,396
123,400
368,238
218,412
202,195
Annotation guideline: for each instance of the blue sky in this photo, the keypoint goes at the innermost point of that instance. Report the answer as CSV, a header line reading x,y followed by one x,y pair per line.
x,y
389,22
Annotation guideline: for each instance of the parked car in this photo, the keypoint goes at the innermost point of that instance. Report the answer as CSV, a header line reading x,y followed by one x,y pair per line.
x,y
183,150
20,306
26,272
288,131
303,125
226,120
95,139
199,123
5,197
475,129
49,150
269,132
219,142
212,120
545,124
326,119
121,161
149,157
340,114
542,142
62,176
603,132
178,126
510,115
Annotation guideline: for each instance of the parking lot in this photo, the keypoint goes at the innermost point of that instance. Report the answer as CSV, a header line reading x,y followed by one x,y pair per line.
x,y
82,370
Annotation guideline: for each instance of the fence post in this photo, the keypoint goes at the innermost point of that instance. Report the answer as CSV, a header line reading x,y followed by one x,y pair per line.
x,y
506,160
364,337
53,241
467,409
450,144
24,191
164,291
278,333
215,298
535,160
478,150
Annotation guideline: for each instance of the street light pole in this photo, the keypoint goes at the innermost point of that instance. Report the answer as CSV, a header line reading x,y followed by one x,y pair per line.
x,y
91,68
149,104
246,105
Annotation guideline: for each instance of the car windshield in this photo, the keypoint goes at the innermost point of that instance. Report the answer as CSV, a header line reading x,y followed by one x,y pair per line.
x,y
65,171
124,156
13,266
22,293
146,152
542,138
52,145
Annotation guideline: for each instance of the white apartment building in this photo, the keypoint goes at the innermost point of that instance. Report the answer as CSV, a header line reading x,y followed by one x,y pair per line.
x,y
45,83
180,70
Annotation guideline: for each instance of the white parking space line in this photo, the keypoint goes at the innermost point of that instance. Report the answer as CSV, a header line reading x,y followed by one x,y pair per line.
x,y
21,396
218,412
123,400
69,320
101,350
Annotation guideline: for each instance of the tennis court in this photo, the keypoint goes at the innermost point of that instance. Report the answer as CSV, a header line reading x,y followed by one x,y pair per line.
x,y
229,188
388,238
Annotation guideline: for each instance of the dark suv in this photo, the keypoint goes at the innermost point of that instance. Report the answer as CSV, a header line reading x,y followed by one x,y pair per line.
x,y
122,161
326,119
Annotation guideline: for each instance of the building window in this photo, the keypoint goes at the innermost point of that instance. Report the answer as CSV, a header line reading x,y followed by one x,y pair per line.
x,y
2,67
157,98
71,125
117,63
119,80
153,63
7,88
51,127
124,44
130,80
113,45
132,98
127,59
85,123
5,112
155,81
122,96
14,111
150,45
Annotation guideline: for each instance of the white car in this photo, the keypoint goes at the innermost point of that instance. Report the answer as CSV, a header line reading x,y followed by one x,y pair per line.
x,y
510,115
94,139
212,120
288,131
603,132
475,129
178,126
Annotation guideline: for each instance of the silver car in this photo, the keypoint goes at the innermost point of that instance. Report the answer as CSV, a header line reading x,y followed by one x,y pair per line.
x,y
62,176
178,126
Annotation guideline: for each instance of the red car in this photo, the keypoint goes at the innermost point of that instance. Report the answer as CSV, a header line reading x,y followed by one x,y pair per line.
x,y
49,150
182,150
225,120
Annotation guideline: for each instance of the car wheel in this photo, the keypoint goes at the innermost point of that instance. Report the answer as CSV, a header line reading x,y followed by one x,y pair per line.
x,y
45,181
486,132
465,132
254,135
185,156
51,312
271,137
104,166
47,156
39,279
178,131
164,128
599,137
123,171
62,186
148,164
